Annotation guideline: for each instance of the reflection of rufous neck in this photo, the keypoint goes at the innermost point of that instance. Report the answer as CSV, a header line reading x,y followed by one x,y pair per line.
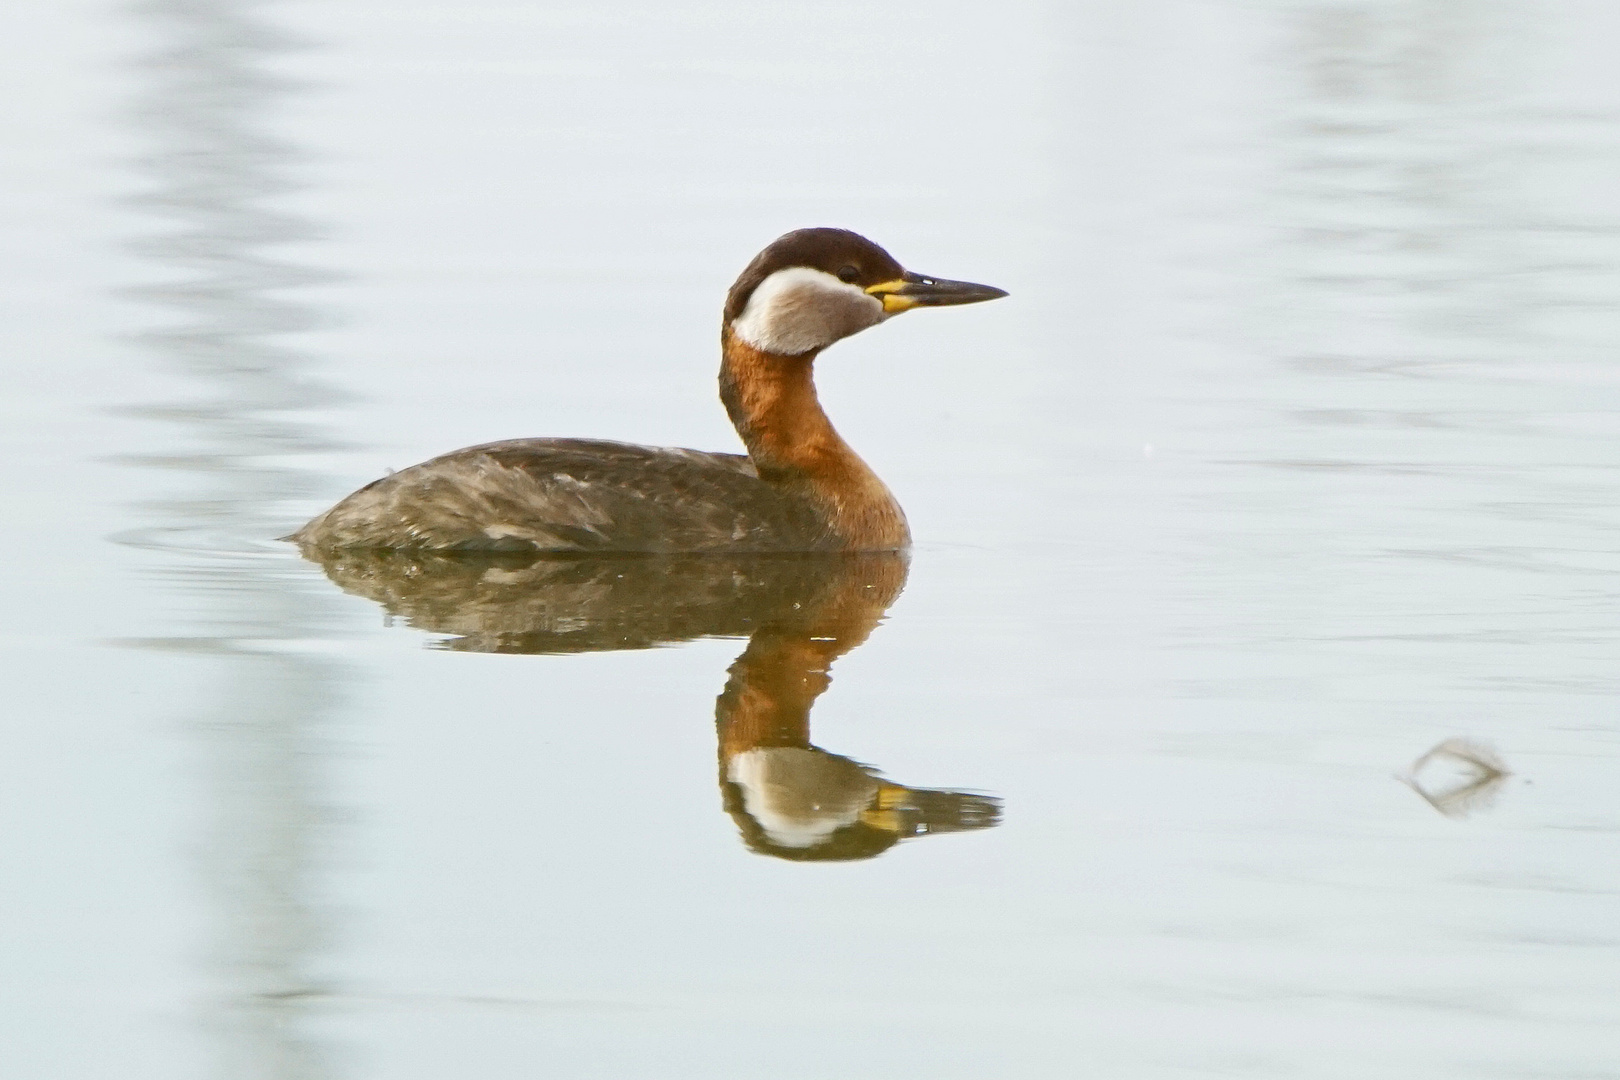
x,y
777,679
772,686
772,403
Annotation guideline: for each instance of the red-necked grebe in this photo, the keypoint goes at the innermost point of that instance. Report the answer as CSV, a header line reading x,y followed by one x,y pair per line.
x,y
800,487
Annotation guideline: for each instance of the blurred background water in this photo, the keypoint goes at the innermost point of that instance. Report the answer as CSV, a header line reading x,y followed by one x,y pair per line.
x,y
1290,459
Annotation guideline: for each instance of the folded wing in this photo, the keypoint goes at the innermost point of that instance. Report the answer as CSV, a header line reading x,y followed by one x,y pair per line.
x,y
578,495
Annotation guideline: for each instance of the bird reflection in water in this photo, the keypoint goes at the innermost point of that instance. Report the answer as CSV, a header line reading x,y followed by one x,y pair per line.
x,y
790,798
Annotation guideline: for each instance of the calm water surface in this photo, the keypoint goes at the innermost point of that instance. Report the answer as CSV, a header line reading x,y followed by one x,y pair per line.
x,y
1247,707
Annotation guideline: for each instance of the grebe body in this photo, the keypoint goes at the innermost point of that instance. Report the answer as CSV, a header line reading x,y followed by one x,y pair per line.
x,y
799,488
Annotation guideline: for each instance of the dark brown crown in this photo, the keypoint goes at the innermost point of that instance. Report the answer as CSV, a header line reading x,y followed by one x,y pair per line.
x,y
839,252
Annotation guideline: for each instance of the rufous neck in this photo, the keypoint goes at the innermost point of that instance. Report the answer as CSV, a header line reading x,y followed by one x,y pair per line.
x,y
772,403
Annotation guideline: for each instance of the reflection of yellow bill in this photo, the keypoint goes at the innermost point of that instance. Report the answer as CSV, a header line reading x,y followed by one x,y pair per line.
x,y
885,811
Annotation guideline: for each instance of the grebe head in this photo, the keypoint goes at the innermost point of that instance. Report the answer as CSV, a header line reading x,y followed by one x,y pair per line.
x,y
814,286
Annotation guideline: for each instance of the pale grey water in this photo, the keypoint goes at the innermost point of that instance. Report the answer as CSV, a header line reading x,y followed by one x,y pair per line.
x,y
1291,456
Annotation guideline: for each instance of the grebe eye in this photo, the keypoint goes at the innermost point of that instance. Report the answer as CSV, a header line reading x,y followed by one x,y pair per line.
x,y
849,275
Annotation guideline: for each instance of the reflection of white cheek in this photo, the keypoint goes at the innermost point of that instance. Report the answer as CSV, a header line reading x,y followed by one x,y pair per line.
x,y
800,797
798,310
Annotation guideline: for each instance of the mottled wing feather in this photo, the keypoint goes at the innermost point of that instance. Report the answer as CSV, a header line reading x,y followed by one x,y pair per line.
x,y
572,495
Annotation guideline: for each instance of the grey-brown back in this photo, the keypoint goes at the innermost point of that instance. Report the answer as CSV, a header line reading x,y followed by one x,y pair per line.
x,y
578,495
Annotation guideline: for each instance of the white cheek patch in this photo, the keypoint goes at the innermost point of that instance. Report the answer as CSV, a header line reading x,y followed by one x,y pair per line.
x,y
798,310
